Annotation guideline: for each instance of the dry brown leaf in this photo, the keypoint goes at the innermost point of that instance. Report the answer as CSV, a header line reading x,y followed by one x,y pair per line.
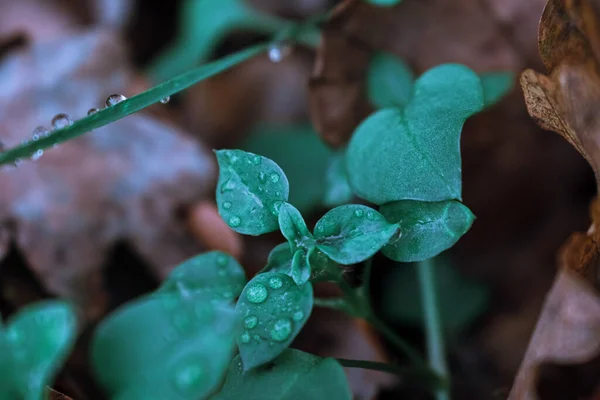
x,y
121,182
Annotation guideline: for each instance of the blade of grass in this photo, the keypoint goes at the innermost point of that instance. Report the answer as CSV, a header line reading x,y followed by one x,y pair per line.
x,y
131,105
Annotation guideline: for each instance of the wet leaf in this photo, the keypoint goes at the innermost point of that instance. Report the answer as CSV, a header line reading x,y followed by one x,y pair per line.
x,y
294,375
289,146
389,81
213,275
301,271
280,259
294,228
384,3
273,310
322,267
426,229
36,341
418,150
166,346
338,190
250,190
352,233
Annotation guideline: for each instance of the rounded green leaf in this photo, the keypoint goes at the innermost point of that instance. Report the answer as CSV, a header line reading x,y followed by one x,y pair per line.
x,y
280,259
250,190
322,267
294,228
352,233
338,190
39,339
414,154
294,375
273,310
426,229
300,267
389,81
495,86
174,347
215,275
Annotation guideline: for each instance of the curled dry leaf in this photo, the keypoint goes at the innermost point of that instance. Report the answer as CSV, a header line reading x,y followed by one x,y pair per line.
x,y
124,181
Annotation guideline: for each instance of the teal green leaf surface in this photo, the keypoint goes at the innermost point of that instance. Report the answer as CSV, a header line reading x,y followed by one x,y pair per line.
x,y
273,310
495,86
215,275
166,345
35,343
322,267
352,233
250,190
280,259
294,375
338,190
426,229
300,267
385,3
414,154
389,81
301,154
461,300
294,228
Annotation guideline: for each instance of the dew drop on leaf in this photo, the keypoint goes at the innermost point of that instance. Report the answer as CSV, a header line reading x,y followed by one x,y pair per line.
x,y
274,177
256,337
38,133
370,215
282,329
61,120
275,282
92,111
227,205
250,322
165,100
234,221
189,377
298,315
222,260
245,337
279,51
256,160
37,155
359,213
114,99
257,293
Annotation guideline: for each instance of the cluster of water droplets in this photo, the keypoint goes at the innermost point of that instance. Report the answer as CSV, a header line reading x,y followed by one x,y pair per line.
x,y
63,120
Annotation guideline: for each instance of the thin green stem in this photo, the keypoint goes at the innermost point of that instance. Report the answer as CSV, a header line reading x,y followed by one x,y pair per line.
x,y
435,339
424,375
396,340
335,303
132,105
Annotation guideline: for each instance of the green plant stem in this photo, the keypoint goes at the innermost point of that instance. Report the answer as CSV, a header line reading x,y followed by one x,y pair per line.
x,y
396,340
131,105
424,375
435,339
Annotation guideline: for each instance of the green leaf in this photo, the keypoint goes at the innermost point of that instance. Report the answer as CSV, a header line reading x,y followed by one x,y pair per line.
x,y
166,345
280,260
289,147
300,267
414,154
460,299
130,106
202,25
37,341
294,228
294,375
322,267
250,190
426,229
389,81
215,275
338,190
352,233
495,86
385,3
273,310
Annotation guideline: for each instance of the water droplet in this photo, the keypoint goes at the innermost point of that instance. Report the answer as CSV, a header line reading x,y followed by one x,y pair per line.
x,y
370,215
257,293
276,207
190,377
61,120
39,132
228,295
256,160
250,322
235,221
256,337
275,282
227,205
37,155
227,186
245,337
114,99
222,260
278,51
92,111
262,177
165,100
274,177
298,315
359,213
320,228
282,329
